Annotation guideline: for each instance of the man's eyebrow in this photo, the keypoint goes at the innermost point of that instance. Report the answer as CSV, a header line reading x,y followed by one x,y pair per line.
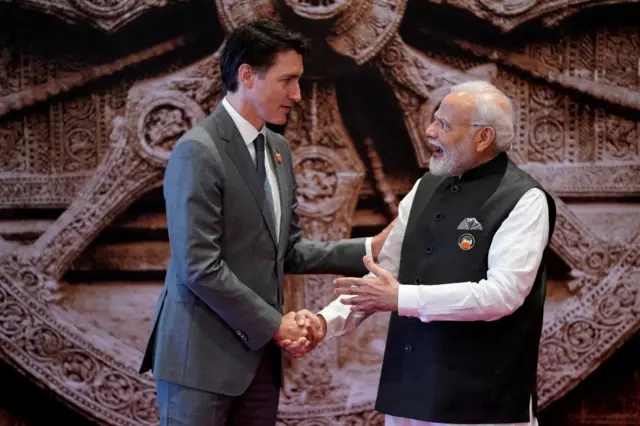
x,y
440,118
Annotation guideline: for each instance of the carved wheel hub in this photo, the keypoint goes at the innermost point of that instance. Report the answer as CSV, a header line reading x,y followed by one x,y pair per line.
x,y
359,28
575,150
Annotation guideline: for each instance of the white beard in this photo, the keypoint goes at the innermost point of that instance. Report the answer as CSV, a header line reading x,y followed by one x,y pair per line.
x,y
440,166
453,160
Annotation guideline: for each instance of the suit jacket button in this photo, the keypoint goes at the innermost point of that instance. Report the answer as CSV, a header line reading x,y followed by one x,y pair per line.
x,y
408,348
418,281
429,250
455,189
439,216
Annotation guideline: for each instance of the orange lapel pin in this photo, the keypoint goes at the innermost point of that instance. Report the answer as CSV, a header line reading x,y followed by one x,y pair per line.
x,y
278,157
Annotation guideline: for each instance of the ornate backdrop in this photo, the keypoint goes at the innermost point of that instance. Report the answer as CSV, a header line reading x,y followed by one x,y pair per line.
x,y
93,95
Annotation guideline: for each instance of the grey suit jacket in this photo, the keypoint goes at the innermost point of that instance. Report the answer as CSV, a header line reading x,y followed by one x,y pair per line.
x,y
222,298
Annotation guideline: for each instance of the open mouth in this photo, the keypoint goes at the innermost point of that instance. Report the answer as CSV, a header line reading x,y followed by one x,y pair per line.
x,y
436,151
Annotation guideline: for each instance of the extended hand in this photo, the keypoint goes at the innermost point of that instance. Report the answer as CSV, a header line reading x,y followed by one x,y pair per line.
x,y
377,294
291,331
317,328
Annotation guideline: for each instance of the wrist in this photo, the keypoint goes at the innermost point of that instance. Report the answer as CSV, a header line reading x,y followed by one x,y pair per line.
x,y
278,332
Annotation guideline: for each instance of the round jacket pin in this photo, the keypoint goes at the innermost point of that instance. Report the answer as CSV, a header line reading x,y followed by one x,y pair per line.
x,y
466,242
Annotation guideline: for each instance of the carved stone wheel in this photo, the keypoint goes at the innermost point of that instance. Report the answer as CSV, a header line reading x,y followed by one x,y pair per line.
x,y
578,132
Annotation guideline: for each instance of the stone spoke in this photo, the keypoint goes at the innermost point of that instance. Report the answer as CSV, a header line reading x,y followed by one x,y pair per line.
x,y
118,181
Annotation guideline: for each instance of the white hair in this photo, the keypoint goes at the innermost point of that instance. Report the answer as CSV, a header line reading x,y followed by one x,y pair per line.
x,y
493,109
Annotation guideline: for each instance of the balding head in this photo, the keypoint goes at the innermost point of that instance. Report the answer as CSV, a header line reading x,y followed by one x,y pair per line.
x,y
492,109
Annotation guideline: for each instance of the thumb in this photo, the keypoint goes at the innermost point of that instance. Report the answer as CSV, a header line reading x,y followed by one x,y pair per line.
x,y
300,319
373,268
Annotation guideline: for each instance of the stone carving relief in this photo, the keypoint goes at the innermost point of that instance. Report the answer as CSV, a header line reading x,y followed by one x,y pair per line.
x,y
509,14
95,155
109,15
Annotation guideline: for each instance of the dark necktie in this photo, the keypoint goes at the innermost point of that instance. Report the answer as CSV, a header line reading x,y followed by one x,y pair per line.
x,y
262,173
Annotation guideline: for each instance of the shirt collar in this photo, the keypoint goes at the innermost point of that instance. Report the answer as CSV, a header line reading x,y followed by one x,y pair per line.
x,y
246,129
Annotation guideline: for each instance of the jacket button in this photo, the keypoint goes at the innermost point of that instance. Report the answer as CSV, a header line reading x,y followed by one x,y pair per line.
x,y
455,189
418,281
408,348
429,250
439,216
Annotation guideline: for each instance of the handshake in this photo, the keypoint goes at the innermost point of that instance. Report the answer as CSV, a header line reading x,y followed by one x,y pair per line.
x,y
300,332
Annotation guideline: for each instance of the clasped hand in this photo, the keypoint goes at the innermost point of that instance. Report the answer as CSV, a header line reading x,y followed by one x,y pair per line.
x,y
300,332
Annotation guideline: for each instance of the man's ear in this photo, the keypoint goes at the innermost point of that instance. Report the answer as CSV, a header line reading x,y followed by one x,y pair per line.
x,y
485,138
245,75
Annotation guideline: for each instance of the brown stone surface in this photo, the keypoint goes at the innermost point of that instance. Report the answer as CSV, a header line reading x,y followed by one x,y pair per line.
x,y
86,128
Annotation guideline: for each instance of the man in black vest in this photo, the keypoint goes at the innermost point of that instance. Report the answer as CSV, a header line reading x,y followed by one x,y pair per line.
x,y
461,272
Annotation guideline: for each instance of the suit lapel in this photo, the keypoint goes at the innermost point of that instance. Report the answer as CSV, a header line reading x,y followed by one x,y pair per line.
x,y
238,152
281,170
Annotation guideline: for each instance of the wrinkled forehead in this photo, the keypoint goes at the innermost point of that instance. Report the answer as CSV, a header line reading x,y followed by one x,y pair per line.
x,y
456,108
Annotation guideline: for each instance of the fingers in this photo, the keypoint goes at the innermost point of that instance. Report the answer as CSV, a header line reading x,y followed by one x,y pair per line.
x,y
347,282
301,343
354,286
358,300
362,303
374,268
302,319
289,330
292,330
320,325
284,343
354,291
299,348
315,324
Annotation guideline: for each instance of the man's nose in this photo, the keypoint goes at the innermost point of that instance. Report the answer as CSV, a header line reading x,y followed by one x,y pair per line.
x,y
295,94
432,130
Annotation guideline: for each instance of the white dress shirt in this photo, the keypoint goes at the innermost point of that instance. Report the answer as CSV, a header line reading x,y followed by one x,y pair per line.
x,y
514,256
249,133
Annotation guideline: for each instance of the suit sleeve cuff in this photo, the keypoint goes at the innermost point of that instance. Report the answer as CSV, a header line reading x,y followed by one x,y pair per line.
x,y
367,246
409,300
334,321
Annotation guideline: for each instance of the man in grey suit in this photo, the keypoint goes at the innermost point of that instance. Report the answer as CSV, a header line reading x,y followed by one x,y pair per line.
x,y
215,346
